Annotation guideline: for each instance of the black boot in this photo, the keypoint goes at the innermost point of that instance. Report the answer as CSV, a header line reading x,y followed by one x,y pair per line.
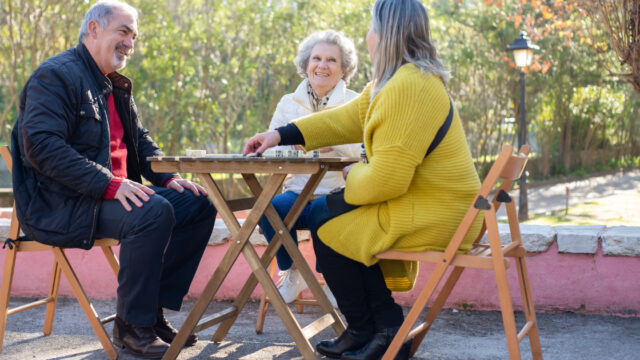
x,y
167,333
349,340
378,346
140,341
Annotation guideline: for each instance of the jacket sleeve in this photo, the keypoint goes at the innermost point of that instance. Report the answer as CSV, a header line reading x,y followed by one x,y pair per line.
x,y
279,119
147,147
349,150
46,124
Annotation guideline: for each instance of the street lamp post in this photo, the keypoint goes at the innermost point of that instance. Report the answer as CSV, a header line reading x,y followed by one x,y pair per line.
x,y
523,55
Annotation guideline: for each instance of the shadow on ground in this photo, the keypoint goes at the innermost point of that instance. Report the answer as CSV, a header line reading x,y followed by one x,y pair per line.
x,y
455,335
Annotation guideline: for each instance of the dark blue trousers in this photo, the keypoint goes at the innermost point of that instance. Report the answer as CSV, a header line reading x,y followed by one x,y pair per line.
x,y
283,203
360,290
161,244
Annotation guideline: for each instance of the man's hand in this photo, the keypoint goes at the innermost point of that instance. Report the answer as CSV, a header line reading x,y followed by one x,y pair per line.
x,y
133,191
345,170
180,184
261,142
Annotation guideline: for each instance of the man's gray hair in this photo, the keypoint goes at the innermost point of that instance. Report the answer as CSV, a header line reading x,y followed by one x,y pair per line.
x,y
101,12
348,50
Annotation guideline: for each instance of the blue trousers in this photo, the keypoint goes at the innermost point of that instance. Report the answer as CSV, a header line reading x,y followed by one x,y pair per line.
x,y
283,203
161,244
360,290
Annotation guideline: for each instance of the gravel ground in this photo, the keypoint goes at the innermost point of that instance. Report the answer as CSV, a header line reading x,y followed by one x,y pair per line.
x,y
456,335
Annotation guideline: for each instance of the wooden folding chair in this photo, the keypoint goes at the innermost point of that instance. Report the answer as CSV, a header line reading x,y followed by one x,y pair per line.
x,y
299,302
60,265
507,167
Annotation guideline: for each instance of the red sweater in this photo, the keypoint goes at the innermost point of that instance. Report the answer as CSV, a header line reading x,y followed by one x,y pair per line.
x,y
118,151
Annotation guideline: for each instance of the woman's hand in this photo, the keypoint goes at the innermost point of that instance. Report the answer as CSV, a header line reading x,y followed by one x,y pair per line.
x,y
345,170
261,142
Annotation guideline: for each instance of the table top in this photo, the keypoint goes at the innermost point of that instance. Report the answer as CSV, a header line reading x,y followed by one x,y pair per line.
x,y
242,164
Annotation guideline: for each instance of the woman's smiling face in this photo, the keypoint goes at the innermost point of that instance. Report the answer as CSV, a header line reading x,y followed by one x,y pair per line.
x,y
325,67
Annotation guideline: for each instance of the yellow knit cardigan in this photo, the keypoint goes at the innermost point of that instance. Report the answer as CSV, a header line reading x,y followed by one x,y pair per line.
x,y
408,202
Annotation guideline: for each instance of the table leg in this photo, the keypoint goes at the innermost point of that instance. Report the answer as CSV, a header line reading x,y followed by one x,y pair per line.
x,y
282,235
241,237
288,319
299,261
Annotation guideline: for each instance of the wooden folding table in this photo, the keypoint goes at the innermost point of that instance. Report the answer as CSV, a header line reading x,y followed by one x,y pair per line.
x,y
259,205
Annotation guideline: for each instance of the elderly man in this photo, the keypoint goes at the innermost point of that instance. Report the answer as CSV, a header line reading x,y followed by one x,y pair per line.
x,y
79,153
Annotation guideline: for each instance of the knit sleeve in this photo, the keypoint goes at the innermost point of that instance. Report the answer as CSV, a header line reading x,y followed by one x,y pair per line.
x,y
404,118
342,125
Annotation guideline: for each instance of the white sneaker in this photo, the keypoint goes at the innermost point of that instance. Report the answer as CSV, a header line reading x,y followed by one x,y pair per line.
x,y
291,284
332,299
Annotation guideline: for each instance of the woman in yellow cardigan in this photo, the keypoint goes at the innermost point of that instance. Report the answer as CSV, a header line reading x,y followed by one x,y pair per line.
x,y
400,198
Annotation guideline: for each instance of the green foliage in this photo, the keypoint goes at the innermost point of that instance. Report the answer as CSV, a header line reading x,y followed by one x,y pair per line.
x,y
208,74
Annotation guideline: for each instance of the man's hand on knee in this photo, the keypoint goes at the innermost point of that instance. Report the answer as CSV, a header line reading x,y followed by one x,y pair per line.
x,y
180,184
133,191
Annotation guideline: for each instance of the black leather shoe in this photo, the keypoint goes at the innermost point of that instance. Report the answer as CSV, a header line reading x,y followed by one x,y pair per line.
x,y
378,346
349,340
139,341
167,333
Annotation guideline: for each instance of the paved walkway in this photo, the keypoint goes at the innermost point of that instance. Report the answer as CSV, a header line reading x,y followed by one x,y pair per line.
x,y
456,335
546,197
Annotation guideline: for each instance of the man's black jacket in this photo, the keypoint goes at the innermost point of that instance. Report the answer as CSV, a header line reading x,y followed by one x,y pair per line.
x,y
61,153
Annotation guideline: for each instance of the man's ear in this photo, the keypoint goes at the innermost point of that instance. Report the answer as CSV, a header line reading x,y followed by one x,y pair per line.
x,y
93,28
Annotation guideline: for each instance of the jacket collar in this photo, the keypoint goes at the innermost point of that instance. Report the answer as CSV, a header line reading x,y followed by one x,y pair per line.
x,y
337,95
105,83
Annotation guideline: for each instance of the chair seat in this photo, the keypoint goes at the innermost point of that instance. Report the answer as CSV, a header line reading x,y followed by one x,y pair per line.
x,y
478,257
30,245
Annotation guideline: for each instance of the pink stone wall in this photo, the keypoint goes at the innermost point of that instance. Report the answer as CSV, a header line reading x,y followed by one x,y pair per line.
x,y
560,282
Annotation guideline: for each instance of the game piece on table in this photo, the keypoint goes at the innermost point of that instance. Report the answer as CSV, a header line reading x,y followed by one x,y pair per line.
x,y
293,153
196,153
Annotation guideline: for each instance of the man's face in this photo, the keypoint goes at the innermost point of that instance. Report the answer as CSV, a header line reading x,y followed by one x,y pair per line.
x,y
113,44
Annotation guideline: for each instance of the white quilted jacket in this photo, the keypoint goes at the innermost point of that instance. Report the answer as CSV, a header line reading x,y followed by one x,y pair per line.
x,y
296,105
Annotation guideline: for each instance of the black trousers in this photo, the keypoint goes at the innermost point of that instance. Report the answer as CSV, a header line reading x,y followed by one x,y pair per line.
x,y
161,244
360,290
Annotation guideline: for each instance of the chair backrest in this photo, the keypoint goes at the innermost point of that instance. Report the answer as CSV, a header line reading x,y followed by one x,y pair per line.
x,y
14,228
507,168
6,156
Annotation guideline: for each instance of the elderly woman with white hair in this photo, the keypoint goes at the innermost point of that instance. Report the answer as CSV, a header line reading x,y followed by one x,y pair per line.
x,y
326,60
411,193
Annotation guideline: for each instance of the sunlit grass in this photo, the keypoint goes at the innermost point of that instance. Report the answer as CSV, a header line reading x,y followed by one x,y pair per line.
x,y
589,213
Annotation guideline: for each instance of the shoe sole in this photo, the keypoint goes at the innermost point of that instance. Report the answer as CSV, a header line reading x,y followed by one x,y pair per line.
x,y
126,350
329,355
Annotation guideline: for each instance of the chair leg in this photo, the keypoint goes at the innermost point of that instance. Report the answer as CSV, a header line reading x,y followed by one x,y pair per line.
x,y
299,307
502,284
262,313
112,259
89,311
416,309
264,303
529,311
50,312
508,317
5,290
434,310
